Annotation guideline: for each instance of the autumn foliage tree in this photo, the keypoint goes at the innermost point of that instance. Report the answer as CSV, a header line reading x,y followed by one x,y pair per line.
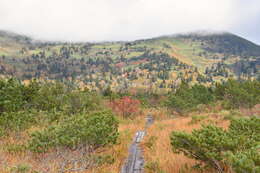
x,y
125,106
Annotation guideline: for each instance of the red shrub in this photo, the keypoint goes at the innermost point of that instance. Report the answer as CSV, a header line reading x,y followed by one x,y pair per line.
x,y
126,106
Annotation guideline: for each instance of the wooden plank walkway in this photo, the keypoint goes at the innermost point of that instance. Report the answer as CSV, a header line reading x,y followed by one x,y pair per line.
x,y
135,160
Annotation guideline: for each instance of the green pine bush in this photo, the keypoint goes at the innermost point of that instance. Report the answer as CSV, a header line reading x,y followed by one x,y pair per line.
x,y
94,129
237,147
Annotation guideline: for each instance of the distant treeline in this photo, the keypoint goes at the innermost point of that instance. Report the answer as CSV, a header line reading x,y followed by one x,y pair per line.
x,y
232,94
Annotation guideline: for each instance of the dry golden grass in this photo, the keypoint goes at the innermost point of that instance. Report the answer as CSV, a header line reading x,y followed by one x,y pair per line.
x,y
158,113
159,149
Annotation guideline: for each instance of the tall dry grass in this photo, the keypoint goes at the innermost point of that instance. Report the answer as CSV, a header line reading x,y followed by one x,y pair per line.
x,y
157,149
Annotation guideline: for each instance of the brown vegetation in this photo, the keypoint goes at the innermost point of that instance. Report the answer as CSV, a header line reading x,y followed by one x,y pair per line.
x,y
157,149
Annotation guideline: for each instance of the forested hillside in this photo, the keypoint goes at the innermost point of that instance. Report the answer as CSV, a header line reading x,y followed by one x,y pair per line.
x,y
155,65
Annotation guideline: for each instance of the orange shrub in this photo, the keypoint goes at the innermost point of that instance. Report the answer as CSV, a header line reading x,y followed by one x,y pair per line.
x,y
126,106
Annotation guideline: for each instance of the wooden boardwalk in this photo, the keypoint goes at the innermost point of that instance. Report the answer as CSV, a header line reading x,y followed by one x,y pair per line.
x,y
135,160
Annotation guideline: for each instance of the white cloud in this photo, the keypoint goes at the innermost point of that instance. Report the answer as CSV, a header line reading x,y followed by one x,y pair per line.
x,y
97,20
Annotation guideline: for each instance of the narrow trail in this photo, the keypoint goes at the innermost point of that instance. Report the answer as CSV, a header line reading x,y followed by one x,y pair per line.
x,y
135,160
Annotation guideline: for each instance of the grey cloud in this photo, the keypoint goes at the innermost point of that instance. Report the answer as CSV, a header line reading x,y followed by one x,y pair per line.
x,y
98,20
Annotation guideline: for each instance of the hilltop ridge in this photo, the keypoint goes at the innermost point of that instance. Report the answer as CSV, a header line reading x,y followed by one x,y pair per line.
x,y
149,63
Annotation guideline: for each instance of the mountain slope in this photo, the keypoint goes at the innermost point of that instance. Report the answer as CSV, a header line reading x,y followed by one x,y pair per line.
x,y
152,64
11,43
9,37
225,43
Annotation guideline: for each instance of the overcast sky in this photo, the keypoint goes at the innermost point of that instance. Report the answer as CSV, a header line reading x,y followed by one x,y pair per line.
x,y
107,20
